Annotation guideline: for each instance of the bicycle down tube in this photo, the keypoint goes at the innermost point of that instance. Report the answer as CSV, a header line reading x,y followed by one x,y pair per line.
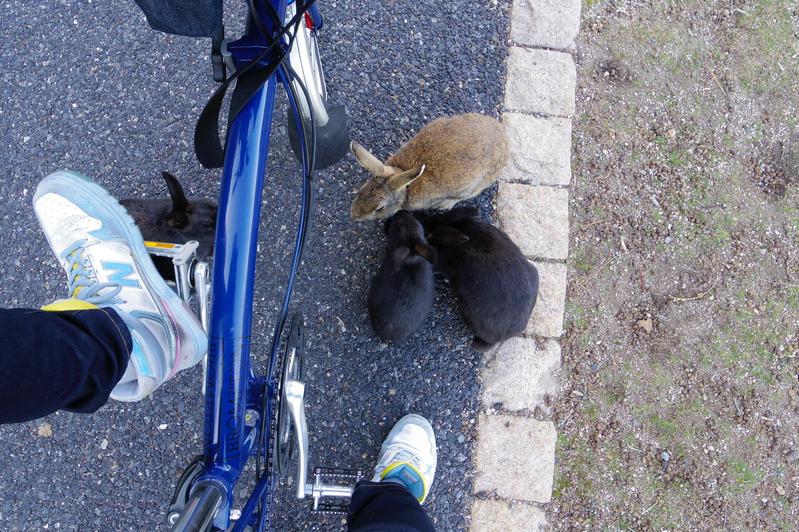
x,y
234,398
229,381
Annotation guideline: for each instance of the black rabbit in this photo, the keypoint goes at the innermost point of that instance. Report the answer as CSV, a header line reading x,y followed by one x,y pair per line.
x,y
176,220
401,294
497,287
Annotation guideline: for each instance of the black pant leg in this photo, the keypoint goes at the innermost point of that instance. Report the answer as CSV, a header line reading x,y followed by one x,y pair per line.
x,y
59,360
386,507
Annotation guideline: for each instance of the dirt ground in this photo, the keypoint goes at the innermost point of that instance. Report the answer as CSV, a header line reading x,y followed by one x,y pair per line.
x,y
681,401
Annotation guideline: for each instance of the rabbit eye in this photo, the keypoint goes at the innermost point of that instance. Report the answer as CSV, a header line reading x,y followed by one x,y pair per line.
x,y
382,208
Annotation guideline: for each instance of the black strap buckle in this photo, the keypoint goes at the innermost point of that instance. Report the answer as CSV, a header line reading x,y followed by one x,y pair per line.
x,y
217,60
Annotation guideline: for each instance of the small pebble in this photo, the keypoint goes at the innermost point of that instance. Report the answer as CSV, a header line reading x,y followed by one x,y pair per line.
x,y
104,444
162,426
665,456
45,430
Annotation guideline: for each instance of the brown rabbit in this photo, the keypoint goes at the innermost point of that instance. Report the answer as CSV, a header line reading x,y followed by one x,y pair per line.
x,y
452,158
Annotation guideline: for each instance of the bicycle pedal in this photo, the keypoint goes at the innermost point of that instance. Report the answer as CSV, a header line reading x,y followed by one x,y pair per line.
x,y
337,472
174,263
332,509
332,483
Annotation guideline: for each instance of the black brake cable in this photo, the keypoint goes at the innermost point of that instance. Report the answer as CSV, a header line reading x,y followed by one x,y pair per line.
x,y
309,161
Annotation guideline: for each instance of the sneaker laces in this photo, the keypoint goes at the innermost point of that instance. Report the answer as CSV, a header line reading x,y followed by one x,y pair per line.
x,y
401,454
81,281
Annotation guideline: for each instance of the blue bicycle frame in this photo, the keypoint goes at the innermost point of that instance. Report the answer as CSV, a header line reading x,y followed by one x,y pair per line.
x,y
234,400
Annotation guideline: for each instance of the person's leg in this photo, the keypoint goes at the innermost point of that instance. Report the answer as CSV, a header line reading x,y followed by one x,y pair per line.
x,y
68,360
404,473
133,332
386,506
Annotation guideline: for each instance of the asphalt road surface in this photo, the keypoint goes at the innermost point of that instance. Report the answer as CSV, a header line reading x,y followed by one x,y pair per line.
x,y
89,87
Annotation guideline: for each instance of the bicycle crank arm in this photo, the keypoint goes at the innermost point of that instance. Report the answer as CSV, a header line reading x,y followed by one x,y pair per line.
x,y
337,484
295,395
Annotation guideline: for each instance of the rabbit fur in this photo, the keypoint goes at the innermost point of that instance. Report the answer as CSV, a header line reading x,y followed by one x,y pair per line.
x,y
176,220
496,285
401,293
452,158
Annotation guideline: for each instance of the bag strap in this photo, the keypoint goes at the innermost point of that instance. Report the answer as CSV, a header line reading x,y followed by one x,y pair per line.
x,y
207,145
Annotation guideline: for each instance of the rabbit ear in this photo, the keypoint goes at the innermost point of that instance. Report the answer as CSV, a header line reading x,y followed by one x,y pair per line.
x,y
426,251
179,201
449,235
371,163
177,217
401,180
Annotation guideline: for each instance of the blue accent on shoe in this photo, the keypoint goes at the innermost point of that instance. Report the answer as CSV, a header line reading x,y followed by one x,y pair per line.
x,y
407,477
121,272
80,283
144,366
105,232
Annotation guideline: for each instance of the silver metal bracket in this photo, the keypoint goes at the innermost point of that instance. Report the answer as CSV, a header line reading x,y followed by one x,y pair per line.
x,y
183,257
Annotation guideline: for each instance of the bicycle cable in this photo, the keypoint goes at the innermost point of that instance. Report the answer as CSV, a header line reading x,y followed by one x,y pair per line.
x,y
299,246
308,162
207,145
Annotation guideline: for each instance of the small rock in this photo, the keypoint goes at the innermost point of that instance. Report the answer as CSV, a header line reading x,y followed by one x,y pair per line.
x,y
162,426
646,324
780,490
665,456
45,430
460,457
671,133
104,444
392,391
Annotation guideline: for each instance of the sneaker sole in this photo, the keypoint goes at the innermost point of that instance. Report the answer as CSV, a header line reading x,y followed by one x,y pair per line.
x,y
176,311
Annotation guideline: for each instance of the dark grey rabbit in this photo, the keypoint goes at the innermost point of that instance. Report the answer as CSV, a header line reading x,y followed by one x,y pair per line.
x,y
497,287
401,294
176,220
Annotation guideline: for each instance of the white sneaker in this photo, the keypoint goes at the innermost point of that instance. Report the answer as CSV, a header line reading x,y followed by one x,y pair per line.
x,y
408,456
107,265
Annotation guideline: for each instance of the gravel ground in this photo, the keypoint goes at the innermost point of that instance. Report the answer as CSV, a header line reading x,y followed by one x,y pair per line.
x,y
89,87
681,349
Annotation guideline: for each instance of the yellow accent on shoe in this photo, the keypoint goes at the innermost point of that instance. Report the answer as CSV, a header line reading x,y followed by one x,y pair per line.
x,y
395,465
75,293
61,305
